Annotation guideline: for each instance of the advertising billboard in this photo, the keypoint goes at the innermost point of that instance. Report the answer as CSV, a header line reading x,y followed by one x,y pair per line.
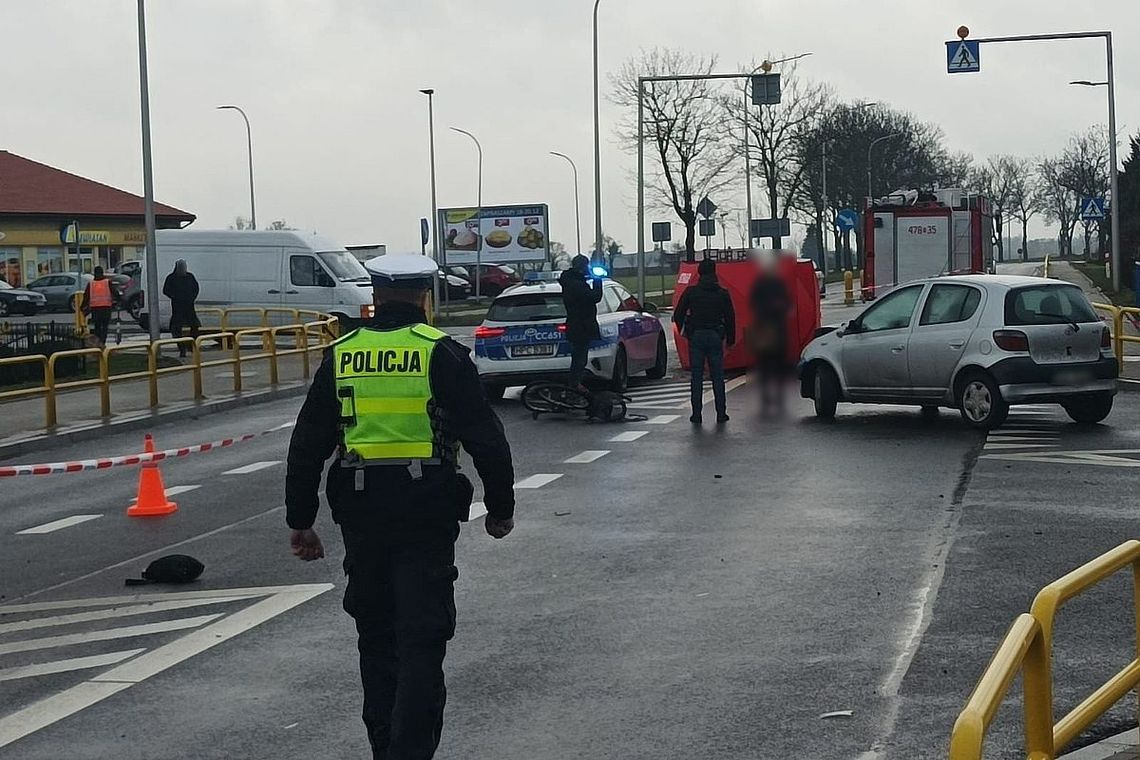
x,y
510,234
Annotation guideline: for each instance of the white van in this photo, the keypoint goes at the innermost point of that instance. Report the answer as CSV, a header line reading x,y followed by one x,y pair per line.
x,y
237,268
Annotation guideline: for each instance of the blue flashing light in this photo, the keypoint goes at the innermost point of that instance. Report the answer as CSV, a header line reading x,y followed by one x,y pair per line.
x,y
599,271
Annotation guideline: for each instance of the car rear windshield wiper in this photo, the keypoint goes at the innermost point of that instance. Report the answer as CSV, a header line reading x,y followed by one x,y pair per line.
x,y
1063,319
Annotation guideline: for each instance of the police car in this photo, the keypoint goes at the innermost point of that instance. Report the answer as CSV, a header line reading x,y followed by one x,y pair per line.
x,y
523,338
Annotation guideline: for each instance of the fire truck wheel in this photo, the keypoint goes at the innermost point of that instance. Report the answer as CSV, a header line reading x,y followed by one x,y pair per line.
x,y
825,392
981,403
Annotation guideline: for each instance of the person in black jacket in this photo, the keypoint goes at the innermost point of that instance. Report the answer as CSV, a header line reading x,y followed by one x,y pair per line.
x,y
705,316
400,521
581,301
181,287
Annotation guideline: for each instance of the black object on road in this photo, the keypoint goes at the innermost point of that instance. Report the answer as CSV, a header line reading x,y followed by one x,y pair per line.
x,y
548,397
173,568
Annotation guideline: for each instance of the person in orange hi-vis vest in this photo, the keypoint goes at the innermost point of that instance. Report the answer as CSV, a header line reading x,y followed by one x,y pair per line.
x,y
98,300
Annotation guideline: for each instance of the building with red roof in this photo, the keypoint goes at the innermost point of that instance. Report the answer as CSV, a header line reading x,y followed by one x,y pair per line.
x,y
39,205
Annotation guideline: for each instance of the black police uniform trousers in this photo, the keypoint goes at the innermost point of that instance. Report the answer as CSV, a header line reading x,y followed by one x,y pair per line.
x,y
401,595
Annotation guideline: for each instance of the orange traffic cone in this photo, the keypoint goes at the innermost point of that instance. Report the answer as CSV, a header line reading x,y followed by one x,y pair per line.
x,y
151,500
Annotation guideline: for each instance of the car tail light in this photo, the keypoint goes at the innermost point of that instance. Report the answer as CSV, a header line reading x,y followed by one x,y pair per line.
x,y
482,332
562,327
1011,340
1106,339
367,311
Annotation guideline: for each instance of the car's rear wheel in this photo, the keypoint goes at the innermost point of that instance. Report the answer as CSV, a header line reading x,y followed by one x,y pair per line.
x,y
825,392
620,378
658,370
1090,409
494,391
980,402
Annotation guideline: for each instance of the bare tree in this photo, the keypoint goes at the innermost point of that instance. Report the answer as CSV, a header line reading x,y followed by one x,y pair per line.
x,y
776,134
684,126
1081,171
994,179
1025,198
1059,202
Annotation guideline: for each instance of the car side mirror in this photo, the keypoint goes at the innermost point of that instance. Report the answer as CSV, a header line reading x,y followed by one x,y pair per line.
x,y
848,328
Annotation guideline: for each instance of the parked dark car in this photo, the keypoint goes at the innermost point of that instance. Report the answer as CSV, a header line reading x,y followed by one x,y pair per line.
x,y
129,268
20,301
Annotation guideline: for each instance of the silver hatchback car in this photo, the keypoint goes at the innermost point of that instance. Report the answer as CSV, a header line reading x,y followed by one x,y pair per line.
x,y
978,343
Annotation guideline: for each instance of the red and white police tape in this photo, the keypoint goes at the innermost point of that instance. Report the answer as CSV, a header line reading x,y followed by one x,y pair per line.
x,y
55,468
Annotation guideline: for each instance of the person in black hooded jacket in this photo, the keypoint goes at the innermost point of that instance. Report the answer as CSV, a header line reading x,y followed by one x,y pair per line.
x,y
581,302
705,316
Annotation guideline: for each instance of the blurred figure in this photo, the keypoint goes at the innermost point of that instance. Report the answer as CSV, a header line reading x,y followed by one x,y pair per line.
x,y
98,299
581,302
770,304
181,287
705,316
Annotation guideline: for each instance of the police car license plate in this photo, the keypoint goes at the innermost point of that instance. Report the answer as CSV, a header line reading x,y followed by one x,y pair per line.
x,y
539,349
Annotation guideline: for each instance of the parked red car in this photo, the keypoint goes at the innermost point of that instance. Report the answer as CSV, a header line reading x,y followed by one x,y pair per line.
x,y
493,278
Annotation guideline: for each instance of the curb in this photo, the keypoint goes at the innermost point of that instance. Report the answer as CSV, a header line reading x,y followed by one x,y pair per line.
x,y
1120,747
14,447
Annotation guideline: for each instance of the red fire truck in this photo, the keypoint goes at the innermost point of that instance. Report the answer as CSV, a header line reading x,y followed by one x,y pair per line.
x,y
910,235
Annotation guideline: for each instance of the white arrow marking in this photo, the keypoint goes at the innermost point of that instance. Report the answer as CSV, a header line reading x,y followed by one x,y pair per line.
x,y
66,666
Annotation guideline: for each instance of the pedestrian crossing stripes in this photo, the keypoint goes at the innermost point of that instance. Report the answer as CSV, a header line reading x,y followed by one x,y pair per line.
x,y
674,395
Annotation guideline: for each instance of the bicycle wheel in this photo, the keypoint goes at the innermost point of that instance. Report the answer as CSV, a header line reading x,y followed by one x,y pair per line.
x,y
544,396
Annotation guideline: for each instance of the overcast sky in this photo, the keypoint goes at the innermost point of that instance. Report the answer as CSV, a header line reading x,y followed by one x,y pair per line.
x,y
340,129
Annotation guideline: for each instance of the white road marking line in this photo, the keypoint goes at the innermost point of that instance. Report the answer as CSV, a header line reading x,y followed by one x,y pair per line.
x,y
629,436
662,419
247,469
114,612
55,525
478,509
59,706
586,457
538,481
66,666
108,634
175,490
1007,446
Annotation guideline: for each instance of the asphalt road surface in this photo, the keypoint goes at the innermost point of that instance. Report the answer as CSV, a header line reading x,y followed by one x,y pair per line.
x,y
669,592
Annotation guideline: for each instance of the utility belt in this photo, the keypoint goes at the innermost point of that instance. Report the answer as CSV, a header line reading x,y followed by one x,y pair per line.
x,y
417,468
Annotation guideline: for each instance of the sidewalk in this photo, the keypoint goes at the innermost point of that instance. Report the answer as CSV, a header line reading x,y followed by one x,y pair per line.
x,y
1120,747
22,421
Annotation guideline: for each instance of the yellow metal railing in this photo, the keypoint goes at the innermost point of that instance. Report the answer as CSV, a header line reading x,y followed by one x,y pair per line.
x,y
308,336
1028,648
1045,268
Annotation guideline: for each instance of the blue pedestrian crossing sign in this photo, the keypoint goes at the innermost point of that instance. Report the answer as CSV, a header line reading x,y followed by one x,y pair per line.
x,y
1092,209
963,57
847,219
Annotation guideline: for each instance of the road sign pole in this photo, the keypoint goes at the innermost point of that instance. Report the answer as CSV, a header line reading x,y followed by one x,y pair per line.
x,y
641,189
1114,220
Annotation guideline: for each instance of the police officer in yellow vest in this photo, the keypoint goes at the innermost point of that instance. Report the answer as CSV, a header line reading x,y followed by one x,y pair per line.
x,y
394,400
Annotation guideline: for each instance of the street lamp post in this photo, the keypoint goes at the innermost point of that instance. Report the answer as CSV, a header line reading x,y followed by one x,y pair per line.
x,y
577,210
437,249
153,322
597,150
479,210
876,141
249,149
1114,222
